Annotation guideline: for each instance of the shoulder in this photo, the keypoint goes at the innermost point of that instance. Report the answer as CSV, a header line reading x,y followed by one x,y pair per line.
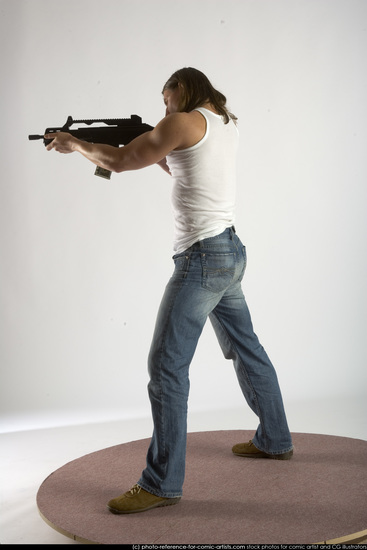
x,y
180,120
185,129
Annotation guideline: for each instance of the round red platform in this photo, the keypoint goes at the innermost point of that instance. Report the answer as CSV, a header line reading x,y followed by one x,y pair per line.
x,y
318,495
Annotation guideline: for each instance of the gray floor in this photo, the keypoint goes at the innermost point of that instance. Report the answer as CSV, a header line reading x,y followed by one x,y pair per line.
x,y
27,458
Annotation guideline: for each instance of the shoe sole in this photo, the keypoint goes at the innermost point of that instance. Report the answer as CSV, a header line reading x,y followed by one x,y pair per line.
x,y
168,502
285,456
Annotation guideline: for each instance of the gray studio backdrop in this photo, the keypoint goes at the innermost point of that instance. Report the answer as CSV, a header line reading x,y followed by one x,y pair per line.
x,y
84,261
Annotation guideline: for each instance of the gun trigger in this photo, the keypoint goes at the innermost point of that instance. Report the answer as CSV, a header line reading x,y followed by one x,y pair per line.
x,y
103,173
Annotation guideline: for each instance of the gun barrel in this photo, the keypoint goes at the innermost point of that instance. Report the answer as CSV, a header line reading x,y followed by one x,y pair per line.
x,y
35,136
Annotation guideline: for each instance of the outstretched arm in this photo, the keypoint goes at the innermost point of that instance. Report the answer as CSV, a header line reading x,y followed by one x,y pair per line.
x,y
174,131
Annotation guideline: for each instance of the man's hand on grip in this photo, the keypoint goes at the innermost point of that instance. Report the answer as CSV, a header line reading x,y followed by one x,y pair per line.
x,y
62,142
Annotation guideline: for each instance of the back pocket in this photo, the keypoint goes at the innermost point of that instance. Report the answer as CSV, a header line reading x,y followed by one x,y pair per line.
x,y
218,270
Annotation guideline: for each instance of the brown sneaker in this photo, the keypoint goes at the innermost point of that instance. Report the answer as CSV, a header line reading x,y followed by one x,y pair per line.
x,y
138,500
250,451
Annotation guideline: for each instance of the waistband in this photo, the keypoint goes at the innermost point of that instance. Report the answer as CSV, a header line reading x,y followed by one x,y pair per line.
x,y
204,243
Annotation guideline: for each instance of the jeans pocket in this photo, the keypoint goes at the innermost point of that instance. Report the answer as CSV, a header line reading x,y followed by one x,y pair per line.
x,y
181,262
218,270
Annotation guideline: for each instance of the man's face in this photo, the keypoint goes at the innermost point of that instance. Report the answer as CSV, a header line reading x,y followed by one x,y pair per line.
x,y
171,100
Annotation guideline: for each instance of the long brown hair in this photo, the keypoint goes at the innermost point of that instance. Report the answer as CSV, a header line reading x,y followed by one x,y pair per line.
x,y
197,90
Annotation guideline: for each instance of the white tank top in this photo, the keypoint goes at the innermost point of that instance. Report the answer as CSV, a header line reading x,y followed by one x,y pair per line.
x,y
204,183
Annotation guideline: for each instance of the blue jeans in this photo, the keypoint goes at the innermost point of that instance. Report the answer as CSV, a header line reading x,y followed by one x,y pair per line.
x,y
206,283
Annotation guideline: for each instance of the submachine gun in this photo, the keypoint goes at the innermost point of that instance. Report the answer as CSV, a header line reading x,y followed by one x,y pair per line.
x,y
109,131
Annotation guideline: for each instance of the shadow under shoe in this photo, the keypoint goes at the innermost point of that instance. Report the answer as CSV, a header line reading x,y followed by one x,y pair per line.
x,y
138,500
250,451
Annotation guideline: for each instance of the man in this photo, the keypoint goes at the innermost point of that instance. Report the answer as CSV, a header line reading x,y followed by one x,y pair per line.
x,y
196,142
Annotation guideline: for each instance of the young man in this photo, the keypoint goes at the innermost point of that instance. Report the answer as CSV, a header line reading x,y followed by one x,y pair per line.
x,y
196,143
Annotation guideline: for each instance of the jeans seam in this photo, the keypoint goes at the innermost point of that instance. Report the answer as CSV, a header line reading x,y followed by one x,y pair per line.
x,y
160,363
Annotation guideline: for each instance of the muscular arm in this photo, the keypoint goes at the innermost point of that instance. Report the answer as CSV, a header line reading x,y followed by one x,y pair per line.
x,y
178,130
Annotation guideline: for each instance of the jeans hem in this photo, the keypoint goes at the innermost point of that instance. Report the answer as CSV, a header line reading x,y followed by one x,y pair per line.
x,y
158,493
287,450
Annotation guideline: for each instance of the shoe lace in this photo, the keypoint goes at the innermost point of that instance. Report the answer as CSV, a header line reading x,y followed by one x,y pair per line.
x,y
135,490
